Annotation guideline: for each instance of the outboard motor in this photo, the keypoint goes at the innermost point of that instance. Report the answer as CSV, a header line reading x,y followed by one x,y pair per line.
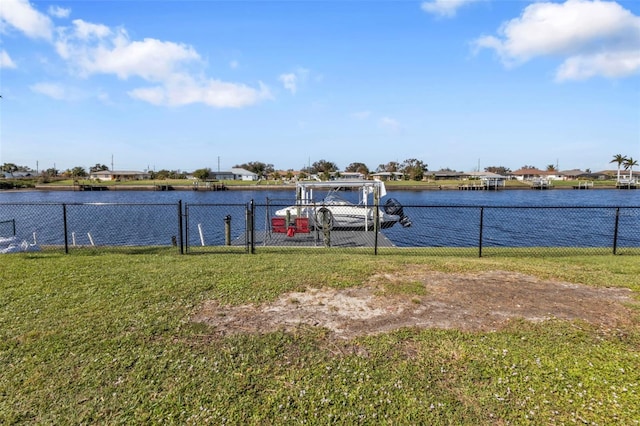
x,y
393,206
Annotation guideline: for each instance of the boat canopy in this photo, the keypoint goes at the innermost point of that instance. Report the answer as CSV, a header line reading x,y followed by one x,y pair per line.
x,y
304,190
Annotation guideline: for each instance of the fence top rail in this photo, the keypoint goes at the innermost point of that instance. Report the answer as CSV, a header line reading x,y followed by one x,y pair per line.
x,y
217,204
477,206
440,206
53,203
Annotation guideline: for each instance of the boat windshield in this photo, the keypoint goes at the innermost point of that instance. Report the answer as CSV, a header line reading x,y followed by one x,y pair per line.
x,y
334,197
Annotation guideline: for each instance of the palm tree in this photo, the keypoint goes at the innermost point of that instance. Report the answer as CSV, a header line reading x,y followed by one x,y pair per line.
x,y
628,165
620,159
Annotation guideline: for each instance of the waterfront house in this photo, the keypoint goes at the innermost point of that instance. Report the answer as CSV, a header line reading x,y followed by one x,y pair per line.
x,y
606,174
347,175
529,174
235,173
119,175
573,174
387,176
446,175
16,175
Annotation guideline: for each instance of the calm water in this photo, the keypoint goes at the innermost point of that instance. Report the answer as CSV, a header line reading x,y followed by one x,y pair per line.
x,y
554,197
440,218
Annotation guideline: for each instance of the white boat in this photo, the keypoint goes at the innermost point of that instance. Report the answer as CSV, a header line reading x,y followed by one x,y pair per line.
x,y
334,212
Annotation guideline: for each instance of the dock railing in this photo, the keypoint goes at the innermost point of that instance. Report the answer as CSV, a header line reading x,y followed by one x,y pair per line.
x,y
189,228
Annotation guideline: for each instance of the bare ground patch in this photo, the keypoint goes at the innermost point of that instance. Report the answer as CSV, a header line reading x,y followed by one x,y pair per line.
x,y
473,302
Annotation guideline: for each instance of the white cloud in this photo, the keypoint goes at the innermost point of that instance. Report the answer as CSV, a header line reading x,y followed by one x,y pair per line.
x,y
52,90
361,115
444,8
292,80
289,81
103,97
59,12
20,15
593,37
234,64
184,89
98,49
65,92
86,30
5,60
174,69
607,64
389,123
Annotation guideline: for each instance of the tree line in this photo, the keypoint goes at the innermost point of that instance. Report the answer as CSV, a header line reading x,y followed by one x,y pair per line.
x,y
411,169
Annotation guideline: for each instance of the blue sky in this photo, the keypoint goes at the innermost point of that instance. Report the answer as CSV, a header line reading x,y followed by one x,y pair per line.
x,y
193,84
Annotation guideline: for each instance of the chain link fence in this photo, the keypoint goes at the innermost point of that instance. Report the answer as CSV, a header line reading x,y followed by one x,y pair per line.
x,y
90,226
250,228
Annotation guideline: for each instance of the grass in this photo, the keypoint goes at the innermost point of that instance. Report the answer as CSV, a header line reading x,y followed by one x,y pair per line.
x,y
431,184
106,339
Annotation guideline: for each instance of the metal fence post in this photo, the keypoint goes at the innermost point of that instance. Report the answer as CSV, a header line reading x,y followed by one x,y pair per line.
x,y
253,230
246,227
376,221
180,228
227,230
481,229
615,230
250,232
64,221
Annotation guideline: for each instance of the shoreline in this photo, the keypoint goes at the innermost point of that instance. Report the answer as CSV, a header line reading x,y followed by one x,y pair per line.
x,y
286,187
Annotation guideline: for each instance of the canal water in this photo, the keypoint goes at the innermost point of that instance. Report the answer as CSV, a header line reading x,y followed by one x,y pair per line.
x,y
553,197
511,218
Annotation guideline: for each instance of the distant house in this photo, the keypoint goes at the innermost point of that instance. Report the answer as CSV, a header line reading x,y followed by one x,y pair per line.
x,y
16,175
485,175
119,175
607,174
529,174
446,175
347,175
235,174
386,176
573,174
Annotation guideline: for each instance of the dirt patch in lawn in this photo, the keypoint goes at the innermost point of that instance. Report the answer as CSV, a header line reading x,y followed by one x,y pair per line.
x,y
425,299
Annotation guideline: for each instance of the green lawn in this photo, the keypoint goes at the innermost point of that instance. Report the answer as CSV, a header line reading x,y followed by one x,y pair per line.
x,y
105,339
431,184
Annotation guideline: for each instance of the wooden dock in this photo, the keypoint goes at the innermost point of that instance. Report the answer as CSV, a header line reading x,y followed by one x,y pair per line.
x,y
163,188
317,239
208,186
626,186
485,184
583,185
472,187
91,187
541,184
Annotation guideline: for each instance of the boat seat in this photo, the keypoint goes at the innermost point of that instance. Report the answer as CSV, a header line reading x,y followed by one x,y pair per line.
x,y
302,225
278,225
